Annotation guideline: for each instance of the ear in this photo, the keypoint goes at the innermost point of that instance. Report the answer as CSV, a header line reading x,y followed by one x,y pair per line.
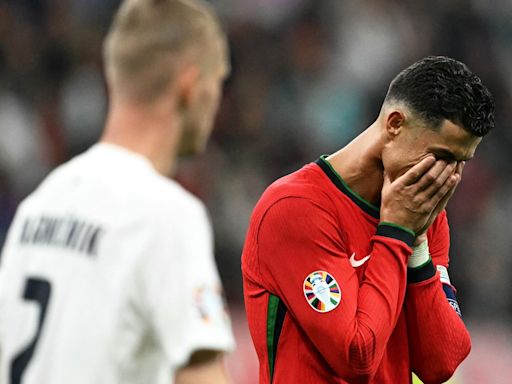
x,y
186,86
395,121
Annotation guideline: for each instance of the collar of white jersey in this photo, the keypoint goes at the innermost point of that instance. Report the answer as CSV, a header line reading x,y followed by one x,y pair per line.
x,y
115,153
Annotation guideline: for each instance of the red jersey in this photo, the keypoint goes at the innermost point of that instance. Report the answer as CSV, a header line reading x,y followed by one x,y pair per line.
x,y
328,294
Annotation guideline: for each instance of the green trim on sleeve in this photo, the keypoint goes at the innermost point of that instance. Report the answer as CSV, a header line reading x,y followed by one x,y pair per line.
x,y
275,319
273,303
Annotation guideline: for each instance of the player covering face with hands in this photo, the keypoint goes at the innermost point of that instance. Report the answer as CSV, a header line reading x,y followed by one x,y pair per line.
x,y
368,225
108,274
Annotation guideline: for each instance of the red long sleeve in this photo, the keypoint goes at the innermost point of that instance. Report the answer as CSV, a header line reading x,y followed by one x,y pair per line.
x,y
297,237
438,338
328,296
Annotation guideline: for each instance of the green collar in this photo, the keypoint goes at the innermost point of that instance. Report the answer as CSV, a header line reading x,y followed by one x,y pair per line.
x,y
335,177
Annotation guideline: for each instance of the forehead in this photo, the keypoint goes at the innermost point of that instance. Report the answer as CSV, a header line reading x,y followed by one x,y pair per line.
x,y
452,142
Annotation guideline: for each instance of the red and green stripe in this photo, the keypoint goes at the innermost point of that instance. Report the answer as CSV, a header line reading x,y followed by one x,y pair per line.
x,y
275,318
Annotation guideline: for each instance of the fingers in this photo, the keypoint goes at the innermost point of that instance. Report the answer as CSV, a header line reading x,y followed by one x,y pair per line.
x,y
417,171
431,176
460,167
416,198
442,203
441,193
439,178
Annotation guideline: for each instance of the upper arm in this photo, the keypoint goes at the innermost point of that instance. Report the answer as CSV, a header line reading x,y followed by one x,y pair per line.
x,y
295,239
300,241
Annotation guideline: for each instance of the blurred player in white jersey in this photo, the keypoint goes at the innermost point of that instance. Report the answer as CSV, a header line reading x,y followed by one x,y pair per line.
x,y
108,274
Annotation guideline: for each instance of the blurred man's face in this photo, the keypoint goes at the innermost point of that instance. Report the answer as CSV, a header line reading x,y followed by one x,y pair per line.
x,y
450,143
200,117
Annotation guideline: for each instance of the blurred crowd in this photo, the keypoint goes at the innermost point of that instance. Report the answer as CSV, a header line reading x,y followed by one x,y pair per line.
x,y
307,76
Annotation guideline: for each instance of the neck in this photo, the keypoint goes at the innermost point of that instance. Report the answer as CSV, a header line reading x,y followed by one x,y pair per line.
x,y
151,131
360,165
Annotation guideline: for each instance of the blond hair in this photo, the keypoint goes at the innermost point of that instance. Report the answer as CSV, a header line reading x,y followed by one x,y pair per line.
x,y
149,39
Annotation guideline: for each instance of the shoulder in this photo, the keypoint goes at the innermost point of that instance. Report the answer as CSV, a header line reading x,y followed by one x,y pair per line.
x,y
296,205
165,196
53,182
160,204
301,189
117,185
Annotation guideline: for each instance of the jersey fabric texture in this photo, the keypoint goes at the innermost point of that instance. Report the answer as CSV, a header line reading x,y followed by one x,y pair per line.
x,y
328,294
108,276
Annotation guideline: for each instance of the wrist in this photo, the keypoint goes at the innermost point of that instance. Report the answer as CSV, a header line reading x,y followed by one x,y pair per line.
x,y
397,232
403,228
420,239
420,255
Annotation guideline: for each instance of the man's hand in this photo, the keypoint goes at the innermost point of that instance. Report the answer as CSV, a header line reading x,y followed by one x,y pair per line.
x,y
422,234
414,199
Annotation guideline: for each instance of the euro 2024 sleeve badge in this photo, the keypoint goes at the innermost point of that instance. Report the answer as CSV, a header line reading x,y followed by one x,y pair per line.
x,y
322,291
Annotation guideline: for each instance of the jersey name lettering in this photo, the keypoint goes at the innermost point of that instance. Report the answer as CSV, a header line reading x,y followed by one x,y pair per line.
x,y
70,233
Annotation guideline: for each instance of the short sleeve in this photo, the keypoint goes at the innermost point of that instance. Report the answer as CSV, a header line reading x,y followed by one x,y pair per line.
x,y
183,290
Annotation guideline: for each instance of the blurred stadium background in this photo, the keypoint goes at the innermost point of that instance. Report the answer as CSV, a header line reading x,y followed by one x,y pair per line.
x,y
307,77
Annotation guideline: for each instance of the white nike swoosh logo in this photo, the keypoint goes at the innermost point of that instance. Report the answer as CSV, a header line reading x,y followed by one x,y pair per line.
x,y
357,263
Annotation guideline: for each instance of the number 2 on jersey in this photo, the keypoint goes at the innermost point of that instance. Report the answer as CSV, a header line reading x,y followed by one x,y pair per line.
x,y
37,290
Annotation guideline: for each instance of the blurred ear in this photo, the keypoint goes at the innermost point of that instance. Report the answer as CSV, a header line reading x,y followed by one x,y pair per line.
x,y
186,86
395,122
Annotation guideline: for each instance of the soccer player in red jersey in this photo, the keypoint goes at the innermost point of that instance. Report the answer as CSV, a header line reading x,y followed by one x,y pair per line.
x,y
345,262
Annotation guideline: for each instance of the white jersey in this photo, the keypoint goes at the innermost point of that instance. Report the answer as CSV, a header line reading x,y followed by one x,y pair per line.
x,y
108,277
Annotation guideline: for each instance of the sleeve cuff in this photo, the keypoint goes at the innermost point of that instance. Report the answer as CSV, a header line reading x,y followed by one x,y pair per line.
x,y
396,232
417,275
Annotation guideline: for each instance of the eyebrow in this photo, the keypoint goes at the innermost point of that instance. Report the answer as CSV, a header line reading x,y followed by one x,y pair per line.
x,y
448,155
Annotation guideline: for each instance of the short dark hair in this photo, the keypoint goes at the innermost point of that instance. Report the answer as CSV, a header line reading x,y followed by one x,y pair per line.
x,y
438,88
